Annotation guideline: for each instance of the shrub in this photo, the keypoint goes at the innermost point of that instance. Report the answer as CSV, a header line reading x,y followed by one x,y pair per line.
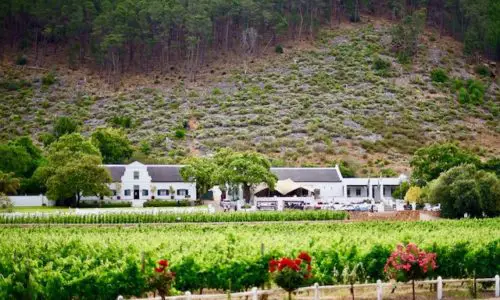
x,y
96,204
278,49
180,133
121,121
470,91
64,125
290,274
381,64
439,75
409,263
5,203
46,138
482,70
21,60
145,147
49,79
216,91
167,203
14,85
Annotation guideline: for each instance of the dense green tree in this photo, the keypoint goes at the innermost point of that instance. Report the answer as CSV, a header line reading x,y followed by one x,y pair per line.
x,y
492,165
248,169
464,189
73,169
202,170
401,190
113,144
82,177
429,162
9,184
15,159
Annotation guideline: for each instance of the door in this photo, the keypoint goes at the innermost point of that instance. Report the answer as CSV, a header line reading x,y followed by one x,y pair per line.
x,y
136,194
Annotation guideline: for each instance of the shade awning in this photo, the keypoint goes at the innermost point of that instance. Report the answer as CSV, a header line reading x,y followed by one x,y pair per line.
x,y
283,187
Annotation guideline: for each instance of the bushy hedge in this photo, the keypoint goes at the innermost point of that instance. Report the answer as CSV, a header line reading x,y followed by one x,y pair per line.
x,y
171,217
97,204
167,203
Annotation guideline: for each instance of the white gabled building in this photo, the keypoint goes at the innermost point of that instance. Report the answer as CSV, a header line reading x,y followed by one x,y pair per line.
x,y
137,182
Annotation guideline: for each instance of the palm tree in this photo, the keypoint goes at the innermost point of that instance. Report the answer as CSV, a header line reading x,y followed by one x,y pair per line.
x,y
8,183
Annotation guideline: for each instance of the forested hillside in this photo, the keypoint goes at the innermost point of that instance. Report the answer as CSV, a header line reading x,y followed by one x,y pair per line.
x,y
305,82
137,35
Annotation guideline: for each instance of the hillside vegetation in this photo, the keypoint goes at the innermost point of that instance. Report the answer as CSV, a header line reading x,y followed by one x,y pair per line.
x,y
343,96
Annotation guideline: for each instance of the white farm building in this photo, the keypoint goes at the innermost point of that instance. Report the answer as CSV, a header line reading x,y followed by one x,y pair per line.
x,y
138,183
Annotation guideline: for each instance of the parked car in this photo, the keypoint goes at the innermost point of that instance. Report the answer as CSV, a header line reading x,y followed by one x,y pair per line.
x,y
436,207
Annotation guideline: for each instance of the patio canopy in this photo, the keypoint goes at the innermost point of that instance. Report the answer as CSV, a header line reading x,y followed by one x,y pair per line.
x,y
283,187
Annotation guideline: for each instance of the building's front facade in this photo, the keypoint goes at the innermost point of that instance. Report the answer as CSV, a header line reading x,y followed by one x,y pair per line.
x,y
137,182
328,185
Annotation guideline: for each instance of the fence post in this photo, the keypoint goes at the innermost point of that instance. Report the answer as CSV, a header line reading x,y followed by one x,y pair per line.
x,y
497,286
188,295
316,291
379,289
439,288
254,293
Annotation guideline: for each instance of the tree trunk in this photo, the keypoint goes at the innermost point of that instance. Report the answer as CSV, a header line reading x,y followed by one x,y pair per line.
x,y
246,192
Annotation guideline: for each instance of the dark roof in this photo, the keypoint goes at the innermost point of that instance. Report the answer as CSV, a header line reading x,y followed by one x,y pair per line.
x,y
116,172
307,174
169,173
165,173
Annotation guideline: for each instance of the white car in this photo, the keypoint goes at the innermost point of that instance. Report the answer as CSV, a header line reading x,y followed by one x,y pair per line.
x,y
436,207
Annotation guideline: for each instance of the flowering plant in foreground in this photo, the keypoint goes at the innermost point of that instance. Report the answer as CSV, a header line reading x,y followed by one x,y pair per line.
x,y
409,263
162,278
289,273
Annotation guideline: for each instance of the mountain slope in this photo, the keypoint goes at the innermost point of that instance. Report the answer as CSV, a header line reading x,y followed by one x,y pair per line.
x,y
314,104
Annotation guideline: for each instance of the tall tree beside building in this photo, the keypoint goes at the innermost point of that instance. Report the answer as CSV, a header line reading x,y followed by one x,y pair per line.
x,y
74,169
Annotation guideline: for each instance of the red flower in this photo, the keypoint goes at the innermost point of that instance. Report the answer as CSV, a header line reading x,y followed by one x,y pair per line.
x,y
159,270
273,265
305,257
163,262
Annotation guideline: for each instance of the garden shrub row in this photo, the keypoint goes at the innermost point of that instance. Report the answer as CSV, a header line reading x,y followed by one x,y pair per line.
x,y
167,203
171,217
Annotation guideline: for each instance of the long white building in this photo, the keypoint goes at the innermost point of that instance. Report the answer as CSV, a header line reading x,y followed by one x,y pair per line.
x,y
137,182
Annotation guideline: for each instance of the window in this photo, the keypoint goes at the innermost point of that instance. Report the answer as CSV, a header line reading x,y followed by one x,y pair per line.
x,y
163,193
127,192
348,192
114,192
136,175
182,192
145,192
358,192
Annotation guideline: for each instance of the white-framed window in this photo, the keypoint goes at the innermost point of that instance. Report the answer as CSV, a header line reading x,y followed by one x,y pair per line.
x,y
114,192
127,192
136,175
182,192
163,192
145,192
358,192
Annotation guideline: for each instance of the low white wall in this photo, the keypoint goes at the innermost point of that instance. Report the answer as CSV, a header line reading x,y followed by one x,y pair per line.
x,y
31,200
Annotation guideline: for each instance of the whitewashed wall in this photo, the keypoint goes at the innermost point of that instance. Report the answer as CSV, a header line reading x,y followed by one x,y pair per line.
x,y
191,187
31,200
327,190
